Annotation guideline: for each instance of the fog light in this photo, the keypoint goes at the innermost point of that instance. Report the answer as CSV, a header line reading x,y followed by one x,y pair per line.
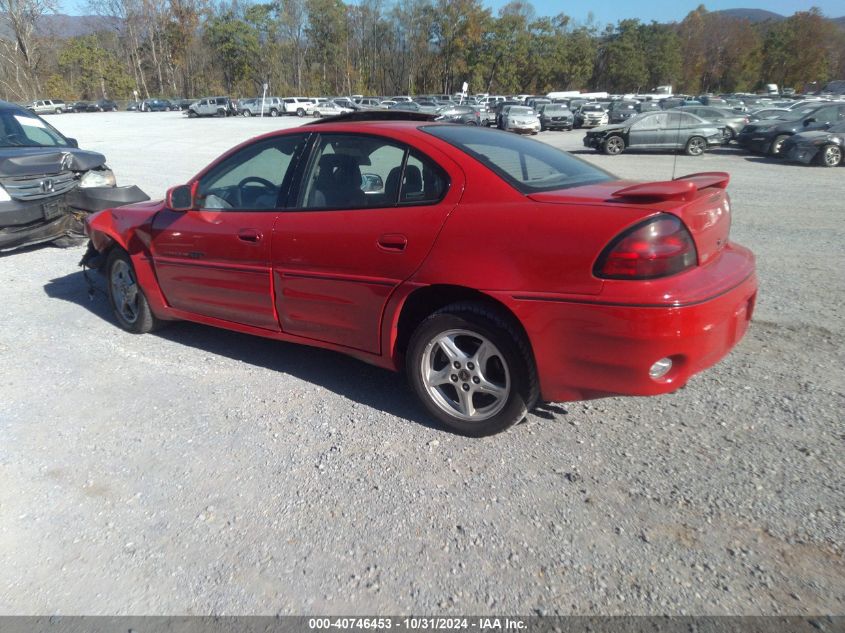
x,y
660,368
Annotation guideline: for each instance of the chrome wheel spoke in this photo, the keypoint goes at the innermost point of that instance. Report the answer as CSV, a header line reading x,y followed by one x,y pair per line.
x,y
490,388
449,347
435,378
465,404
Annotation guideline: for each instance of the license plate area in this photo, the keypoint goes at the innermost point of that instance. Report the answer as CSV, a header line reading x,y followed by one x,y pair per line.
x,y
52,209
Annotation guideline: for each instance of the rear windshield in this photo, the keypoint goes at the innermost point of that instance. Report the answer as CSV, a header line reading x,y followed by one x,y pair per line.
x,y
527,165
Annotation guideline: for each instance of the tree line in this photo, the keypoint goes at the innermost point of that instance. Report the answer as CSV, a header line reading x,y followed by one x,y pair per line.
x,y
192,48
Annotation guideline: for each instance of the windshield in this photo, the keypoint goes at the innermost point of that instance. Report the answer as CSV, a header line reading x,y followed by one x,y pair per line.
x,y
592,108
520,111
22,129
794,115
527,165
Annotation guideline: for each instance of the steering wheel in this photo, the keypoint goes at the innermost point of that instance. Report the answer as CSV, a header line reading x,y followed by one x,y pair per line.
x,y
269,187
16,139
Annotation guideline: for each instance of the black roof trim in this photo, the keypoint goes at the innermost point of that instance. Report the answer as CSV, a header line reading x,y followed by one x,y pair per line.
x,y
375,115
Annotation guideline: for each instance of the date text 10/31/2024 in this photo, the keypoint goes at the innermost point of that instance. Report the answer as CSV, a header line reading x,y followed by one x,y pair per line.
x,y
441,624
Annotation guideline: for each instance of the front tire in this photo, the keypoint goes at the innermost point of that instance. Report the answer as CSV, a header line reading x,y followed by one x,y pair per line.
x,y
246,113
613,146
274,112
696,146
472,370
128,302
830,156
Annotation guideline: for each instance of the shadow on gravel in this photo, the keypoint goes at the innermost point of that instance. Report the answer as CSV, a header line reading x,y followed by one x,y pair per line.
x,y
368,385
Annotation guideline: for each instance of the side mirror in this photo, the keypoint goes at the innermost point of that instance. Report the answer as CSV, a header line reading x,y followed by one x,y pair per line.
x,y
808,121
372,183
73,142
180,198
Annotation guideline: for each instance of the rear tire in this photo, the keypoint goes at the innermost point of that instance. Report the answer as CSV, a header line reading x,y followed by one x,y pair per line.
x,y
696,146
300,112
127,299
472,369
830,156
613,146
777,144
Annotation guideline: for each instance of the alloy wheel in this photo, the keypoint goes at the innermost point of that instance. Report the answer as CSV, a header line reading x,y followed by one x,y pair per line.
x,y
124,290
832,155
465,375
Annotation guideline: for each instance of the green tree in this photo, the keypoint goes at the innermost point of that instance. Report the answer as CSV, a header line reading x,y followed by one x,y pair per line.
x,y
234,45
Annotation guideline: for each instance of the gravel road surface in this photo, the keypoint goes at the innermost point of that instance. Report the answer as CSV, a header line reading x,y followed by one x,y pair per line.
x,y
201,471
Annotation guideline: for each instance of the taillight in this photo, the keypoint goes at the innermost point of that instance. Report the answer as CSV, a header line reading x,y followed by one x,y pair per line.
x,y
659,247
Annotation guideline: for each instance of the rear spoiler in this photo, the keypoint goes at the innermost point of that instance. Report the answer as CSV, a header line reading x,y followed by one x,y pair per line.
x,y
683,188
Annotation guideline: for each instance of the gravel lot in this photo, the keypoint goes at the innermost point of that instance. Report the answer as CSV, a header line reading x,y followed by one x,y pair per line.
x,y
202,471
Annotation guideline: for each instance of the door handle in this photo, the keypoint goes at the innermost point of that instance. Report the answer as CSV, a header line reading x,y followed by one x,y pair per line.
x,y
393,242
249,235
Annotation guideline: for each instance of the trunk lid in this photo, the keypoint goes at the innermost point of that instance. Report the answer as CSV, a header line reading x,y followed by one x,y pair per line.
x,y
699,200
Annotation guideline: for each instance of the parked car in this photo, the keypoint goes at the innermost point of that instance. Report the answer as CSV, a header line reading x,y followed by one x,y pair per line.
x,y
518,118
78,106
497,109
379,272
466,115
554,116
766,113
212,106
156,105
730,121
590,115
824,147
300,106
269,106
767,136
330,108
48,184
47,106
103,105
621,111
664,130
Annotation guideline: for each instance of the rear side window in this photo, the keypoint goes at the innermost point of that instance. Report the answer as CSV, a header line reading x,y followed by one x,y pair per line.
x,y
527,165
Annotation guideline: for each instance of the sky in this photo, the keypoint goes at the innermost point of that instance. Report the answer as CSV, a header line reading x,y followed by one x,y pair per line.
x,y
611,11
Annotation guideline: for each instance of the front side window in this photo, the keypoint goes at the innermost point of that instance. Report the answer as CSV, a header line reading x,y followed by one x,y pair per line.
x,y
255,178
527,165
360,172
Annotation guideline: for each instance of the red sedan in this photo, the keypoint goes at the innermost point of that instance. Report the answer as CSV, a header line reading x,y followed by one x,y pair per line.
x,y
497,270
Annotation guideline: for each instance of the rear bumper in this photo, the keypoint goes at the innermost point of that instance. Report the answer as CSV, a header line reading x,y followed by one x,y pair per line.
x,y
33,222
588,349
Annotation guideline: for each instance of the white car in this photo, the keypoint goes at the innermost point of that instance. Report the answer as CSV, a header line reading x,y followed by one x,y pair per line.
x,y
47,106
330,108
300,106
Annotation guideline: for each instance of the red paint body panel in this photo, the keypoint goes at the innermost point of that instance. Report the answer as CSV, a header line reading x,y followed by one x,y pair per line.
x,y
340,279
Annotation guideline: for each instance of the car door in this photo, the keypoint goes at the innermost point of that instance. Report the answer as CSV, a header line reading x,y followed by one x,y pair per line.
x,y
338,253
214,260
647,132
677,129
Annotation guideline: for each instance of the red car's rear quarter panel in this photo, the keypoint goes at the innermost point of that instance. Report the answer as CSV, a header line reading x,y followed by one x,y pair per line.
x,y
595,337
